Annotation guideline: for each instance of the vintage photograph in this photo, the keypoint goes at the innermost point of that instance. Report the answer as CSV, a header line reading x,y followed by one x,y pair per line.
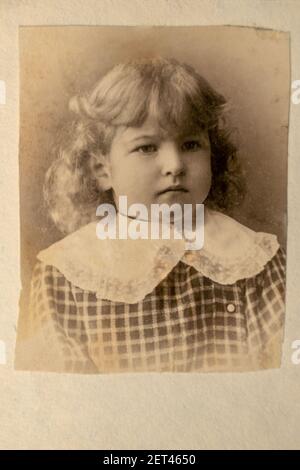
x,y
119,125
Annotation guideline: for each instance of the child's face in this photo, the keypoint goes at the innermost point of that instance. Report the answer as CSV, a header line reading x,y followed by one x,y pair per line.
x,y
144,164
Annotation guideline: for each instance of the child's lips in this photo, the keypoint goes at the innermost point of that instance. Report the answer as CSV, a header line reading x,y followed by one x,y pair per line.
x,y
173,189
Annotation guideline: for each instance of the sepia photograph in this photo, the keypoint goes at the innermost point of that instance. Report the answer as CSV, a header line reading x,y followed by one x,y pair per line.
x,y
153,198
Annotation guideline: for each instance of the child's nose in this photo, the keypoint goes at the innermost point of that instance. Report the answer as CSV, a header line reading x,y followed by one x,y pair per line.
x,y
171,160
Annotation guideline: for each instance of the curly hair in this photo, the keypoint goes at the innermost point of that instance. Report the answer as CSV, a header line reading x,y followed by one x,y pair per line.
x,y
172,92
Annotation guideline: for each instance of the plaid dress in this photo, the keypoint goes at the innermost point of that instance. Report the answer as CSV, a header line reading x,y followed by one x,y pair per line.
x,y
187,323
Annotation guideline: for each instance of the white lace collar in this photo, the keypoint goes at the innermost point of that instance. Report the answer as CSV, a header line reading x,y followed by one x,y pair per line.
x,y
128,270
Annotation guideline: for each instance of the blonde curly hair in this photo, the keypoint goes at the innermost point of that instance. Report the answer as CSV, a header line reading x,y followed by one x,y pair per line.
x,y
176,95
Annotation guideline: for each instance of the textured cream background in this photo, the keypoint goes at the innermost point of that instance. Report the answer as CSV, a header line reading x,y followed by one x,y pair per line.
x,y
250,410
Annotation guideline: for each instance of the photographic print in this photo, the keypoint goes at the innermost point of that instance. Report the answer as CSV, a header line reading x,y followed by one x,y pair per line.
x,y
153,198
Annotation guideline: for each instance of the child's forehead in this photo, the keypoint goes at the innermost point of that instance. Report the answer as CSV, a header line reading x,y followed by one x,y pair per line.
x,y
154,127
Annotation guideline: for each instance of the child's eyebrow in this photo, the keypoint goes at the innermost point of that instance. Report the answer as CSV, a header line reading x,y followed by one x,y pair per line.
x,y
157,136
145,136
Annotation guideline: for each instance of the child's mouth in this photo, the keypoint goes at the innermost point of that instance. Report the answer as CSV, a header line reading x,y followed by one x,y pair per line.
x,y
175,189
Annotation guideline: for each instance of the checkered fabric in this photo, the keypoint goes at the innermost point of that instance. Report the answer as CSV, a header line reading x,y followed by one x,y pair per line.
x,y
187,323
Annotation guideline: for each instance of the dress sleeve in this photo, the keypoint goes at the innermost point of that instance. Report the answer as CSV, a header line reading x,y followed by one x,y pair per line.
x,y
46,342
265,311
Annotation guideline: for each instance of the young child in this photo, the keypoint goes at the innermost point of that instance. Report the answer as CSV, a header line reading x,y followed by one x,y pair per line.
x,y
152,130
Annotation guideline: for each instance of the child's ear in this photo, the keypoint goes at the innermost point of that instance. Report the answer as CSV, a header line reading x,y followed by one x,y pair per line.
x,y
100,168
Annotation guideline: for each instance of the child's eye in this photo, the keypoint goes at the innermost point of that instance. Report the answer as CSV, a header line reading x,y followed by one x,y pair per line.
x,y
146,149
191,145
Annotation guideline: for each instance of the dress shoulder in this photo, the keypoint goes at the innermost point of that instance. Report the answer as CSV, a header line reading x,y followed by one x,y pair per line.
x,y
265,309
46,342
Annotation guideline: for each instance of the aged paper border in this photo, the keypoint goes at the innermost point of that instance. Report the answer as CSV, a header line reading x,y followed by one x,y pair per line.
x,y
48,411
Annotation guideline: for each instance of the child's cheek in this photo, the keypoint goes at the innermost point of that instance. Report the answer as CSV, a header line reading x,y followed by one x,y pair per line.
x,y
200,164
204,179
